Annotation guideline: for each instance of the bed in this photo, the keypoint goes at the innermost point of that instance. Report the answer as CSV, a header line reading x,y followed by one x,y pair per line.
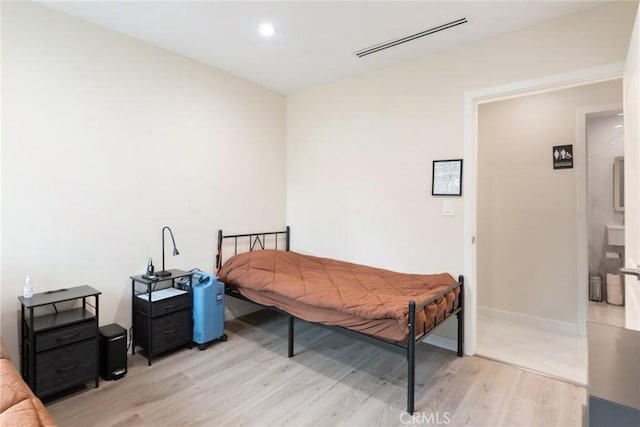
x,y
389,309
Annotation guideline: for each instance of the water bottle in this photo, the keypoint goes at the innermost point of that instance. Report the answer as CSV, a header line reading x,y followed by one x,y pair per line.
x,y
28,289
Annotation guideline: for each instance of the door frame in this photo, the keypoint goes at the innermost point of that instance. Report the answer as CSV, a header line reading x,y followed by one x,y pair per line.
x,y
470,179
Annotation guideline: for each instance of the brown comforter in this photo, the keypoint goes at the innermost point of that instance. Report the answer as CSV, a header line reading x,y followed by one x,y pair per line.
x,y
360,291
18,405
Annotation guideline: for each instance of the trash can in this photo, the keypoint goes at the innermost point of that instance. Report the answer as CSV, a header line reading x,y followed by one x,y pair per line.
x,y
615,289
595,288
113,351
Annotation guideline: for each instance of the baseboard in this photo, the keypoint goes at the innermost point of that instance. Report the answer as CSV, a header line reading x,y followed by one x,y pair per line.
x,y
443,342
532,321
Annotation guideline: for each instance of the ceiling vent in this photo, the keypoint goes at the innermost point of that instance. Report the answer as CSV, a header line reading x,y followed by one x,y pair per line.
x,y
382,46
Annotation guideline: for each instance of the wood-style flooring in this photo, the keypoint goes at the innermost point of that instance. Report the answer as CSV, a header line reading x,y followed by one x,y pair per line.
x,y
332,380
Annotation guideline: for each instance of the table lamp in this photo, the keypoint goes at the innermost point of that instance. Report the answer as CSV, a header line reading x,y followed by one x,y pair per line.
x,y
165,273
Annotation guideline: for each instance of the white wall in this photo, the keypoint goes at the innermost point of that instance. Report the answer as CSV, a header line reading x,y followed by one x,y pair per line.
x,y
526,233
605,142
359,151
105,140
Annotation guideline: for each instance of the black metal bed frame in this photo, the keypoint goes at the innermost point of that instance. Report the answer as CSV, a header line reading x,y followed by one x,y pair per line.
x,y
259,240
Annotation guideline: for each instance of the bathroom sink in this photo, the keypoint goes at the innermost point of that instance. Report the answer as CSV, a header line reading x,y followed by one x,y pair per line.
x,y
615,235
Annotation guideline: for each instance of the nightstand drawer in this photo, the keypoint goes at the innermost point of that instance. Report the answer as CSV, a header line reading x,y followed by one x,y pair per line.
x,y
67,335
66,366
171,331
165,305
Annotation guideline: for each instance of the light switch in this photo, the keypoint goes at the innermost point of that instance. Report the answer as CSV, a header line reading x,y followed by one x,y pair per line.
x,y
447,207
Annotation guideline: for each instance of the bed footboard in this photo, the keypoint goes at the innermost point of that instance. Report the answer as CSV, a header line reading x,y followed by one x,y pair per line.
x,y
458,310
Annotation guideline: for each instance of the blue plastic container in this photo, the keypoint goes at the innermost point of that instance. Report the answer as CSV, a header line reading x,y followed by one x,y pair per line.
x,y
208,309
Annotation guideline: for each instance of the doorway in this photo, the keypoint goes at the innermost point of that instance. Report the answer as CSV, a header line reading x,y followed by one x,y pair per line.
x,y
527,233
604,142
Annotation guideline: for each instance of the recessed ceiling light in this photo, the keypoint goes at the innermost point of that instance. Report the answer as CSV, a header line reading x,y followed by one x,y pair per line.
x,y
267,30
620,114
618,126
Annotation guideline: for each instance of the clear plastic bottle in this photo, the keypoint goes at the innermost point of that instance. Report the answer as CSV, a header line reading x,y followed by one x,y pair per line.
x,y
28,288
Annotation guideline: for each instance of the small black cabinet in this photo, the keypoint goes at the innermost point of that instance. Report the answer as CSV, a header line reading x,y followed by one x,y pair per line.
x,y
59,350
162,318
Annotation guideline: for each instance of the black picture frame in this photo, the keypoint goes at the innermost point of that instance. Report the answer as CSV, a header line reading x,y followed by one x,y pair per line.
x,y
446,177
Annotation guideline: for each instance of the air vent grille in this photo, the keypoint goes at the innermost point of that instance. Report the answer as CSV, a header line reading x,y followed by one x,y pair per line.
x,y
382,46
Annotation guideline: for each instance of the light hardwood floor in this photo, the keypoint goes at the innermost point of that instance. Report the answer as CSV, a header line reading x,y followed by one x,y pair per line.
x,y
332,380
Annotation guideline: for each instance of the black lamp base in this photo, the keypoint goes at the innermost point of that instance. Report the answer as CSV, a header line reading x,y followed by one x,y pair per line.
x,y
163,273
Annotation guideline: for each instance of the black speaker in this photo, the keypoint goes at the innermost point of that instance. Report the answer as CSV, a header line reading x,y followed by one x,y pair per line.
x,y
113,351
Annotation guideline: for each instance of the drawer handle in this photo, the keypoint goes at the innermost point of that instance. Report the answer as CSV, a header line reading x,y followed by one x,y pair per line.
x,y
67,337
170,306
67,368
170,331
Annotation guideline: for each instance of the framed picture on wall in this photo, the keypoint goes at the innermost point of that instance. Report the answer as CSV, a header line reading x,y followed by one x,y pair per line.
x,y
447,178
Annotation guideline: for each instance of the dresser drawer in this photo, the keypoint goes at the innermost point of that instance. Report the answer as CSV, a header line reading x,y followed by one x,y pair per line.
x,y
66,335
165,305
171,331
65,366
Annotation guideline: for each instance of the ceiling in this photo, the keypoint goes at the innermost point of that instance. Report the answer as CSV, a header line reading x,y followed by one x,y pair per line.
x,y
314,43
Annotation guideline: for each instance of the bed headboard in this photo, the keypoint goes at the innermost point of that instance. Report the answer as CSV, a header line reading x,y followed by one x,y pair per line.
x,y
255,240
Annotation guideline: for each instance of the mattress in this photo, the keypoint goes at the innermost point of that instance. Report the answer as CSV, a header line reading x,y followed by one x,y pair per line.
x,y
364,299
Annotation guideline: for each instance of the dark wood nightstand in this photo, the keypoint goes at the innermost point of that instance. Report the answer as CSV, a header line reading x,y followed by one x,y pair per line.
x,y
161,316
59,350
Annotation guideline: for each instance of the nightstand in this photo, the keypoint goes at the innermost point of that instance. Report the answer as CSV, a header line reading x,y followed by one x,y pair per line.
x,y
161,313
59,350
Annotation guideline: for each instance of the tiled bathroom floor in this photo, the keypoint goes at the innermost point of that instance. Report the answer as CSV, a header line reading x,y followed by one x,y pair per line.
x,y
606,313
549,352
